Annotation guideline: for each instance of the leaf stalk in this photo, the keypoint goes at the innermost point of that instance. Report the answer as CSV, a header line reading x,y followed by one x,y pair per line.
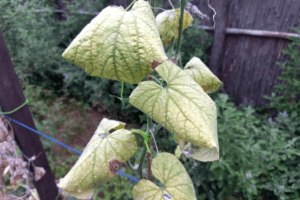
x,y
128,164
182,6
130,5
140,169
152,3
149,123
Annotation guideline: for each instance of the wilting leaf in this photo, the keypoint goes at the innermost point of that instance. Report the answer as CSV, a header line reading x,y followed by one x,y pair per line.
x,y
39,172
119,44
100,159
34,195
202,75
168,24
171,173
182,107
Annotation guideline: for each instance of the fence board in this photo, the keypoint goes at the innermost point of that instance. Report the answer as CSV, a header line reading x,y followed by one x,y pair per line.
x,y
248,68
216,55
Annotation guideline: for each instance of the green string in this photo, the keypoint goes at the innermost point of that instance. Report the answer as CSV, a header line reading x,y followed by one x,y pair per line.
x,y
145,136
10,112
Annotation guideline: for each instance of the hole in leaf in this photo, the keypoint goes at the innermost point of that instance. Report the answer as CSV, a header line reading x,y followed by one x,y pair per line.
x,y
111,131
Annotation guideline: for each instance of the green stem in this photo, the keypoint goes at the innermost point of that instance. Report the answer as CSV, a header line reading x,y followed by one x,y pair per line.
x,y
149,162
128,164
122,91
153,5
180,63
159,126
171,46
140,169
130,5
182,6
148,123
149,126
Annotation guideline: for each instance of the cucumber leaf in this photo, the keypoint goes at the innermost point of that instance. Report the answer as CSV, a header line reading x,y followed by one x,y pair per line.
x,y
168,24
172,174
100,160
182,107
119,44
202,75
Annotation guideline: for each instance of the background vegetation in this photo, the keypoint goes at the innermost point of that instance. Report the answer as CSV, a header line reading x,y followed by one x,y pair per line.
x,y
259,154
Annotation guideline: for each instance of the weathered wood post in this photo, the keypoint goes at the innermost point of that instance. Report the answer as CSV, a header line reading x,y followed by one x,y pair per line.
x,y
219,37
11,97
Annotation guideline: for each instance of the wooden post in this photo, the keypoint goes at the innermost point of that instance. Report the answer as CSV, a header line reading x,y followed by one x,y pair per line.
x,y
11,96
219,37
60,6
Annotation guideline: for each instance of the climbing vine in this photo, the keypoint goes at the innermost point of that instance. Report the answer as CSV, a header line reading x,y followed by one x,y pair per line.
x,y
128,46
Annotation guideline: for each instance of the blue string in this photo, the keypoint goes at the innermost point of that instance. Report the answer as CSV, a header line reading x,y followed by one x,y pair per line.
x,y
60,143
43,135
128,176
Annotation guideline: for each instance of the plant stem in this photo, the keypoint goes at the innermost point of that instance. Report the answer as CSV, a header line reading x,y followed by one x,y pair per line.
x,y
130,5
171,46
182,6
153,5
149,126
122,91
140,169
180,64
149,162
128,164
159,126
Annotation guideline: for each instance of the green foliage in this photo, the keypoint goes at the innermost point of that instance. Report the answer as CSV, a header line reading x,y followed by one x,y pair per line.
x,y
118,188
257,157
195,42
287,93
36,41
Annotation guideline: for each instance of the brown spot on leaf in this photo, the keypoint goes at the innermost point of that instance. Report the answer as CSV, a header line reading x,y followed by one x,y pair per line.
x,y
114,166
155,64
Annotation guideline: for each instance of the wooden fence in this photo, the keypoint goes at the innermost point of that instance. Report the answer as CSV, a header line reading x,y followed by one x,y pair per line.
x,y
243,56
246,63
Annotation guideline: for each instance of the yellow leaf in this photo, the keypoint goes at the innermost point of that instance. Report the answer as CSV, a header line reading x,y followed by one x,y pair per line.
x,y
119,44
168,24
172,174
182,107
100,159
202,75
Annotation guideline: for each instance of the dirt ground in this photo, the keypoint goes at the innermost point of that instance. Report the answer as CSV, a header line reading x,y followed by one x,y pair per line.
x,y
89,125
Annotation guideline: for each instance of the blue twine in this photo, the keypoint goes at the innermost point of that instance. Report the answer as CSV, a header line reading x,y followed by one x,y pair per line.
x,y
128,176
43,135
61,143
